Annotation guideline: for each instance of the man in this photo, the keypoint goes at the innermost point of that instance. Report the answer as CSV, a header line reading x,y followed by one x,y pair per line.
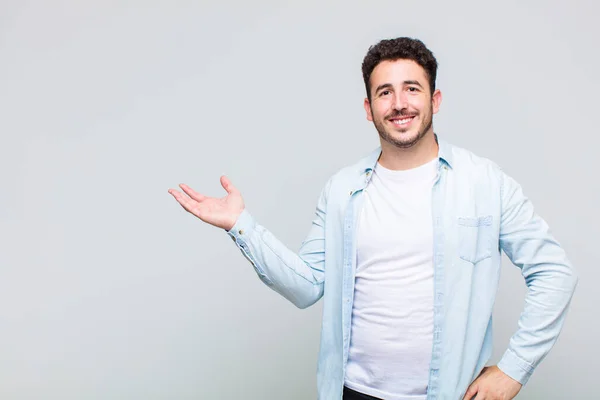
x,y
405,249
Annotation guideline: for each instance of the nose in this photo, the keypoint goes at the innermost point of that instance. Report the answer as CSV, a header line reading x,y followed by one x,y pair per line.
x,y
400,100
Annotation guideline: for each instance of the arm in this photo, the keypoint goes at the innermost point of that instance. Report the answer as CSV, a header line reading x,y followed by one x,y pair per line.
x,y
297,277
550,280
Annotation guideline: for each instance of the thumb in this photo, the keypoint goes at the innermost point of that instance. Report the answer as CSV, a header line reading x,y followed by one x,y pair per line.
x,y
228,186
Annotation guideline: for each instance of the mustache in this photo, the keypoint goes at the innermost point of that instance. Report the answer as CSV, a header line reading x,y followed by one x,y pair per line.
x,y
401,113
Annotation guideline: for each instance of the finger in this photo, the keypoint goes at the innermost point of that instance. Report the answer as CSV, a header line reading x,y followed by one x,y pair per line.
x,y
183,200
173,192
227,185
191,192
472,391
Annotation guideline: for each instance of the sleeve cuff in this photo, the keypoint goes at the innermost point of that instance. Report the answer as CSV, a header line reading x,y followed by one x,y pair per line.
x,y
243,227
515,367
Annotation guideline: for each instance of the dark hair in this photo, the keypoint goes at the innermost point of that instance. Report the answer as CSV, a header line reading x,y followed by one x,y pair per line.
x,y
396,49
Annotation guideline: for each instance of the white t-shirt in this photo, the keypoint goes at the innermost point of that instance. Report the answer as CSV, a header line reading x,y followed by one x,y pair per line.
x,y
392,315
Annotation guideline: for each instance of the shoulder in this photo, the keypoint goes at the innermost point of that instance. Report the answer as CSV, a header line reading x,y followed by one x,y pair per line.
x,y
350,177
354,171
473,166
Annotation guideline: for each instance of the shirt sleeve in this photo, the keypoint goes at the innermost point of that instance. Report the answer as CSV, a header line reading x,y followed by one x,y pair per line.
x,y
296,276
549,276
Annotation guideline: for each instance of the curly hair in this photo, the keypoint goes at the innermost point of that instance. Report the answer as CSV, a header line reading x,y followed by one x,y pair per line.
x,y
395,49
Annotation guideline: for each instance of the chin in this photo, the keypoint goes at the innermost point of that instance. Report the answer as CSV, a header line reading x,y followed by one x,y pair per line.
x,y
405,140
405,136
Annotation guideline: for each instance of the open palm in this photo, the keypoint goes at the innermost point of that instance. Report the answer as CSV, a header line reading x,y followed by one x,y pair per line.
x,y
221,212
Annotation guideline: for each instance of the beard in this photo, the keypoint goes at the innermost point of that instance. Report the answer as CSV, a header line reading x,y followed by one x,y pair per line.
x,y
408,141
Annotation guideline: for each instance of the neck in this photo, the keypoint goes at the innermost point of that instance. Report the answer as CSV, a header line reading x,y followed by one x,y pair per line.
x,y
396,158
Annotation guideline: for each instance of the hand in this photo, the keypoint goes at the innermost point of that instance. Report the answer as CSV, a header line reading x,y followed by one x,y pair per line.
x,y
222,213
493,384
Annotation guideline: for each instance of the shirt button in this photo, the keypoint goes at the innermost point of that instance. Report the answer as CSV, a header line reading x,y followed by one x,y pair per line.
x,y
241,231
351,192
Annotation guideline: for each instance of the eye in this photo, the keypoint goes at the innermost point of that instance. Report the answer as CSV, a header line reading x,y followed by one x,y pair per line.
x,y
412,89
385,93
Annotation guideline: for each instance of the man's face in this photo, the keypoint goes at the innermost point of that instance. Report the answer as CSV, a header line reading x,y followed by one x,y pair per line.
x,y
401,106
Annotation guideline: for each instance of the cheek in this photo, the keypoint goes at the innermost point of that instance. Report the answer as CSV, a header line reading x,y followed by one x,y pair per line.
x,y
380,109
418,104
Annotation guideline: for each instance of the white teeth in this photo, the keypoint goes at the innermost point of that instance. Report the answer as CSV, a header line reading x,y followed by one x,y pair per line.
x,y
402,121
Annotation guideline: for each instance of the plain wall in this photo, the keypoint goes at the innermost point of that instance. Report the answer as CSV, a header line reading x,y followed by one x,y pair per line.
x,y
109,290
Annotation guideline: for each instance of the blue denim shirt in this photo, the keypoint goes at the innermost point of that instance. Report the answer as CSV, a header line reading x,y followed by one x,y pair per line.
x,y
477,211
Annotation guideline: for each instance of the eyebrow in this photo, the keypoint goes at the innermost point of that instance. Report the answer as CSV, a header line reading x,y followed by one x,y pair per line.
x,y
384,86
390,86
413,83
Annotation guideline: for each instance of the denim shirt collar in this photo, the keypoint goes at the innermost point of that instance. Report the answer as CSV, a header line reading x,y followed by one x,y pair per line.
x,y
367,164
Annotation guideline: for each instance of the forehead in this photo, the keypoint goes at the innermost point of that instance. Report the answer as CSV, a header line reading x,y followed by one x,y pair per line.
x,y
397,71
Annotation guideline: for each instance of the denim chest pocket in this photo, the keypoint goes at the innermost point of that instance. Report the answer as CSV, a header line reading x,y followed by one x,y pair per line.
x,y
475,238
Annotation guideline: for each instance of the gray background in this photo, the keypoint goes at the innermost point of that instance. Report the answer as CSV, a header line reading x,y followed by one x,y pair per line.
x,y
109,290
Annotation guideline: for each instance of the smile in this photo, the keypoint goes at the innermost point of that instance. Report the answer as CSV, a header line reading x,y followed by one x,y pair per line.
x,y
402,121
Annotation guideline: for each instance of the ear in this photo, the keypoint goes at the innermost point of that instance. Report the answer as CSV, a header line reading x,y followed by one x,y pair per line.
x,y
436,100
368,110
